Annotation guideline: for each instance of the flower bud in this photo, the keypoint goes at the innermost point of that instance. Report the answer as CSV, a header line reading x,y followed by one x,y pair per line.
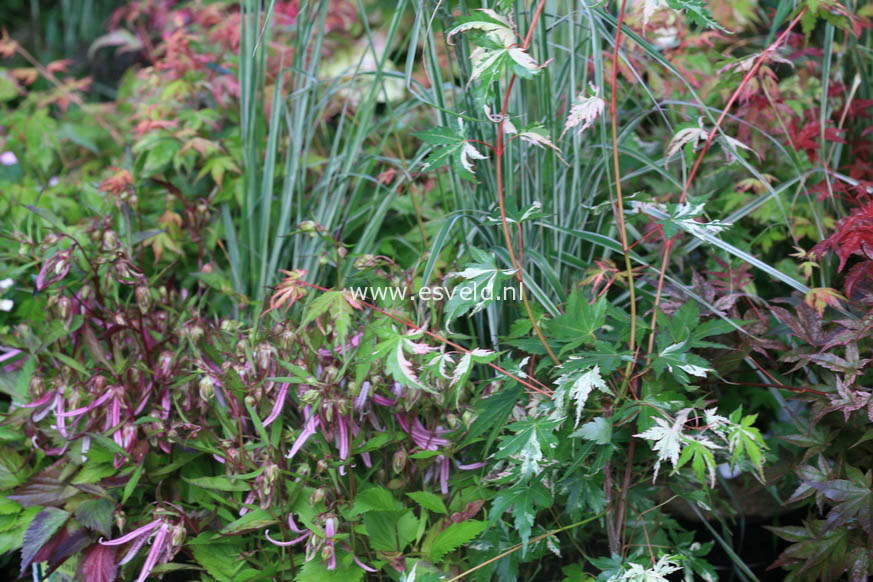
x,y
143,299
320,466
192,331
317,496
165,361
313,544
398,463
65,311
177,535
452,420
310,397
365,261
330,374
54,269
265,355
110,240
37,383
206,388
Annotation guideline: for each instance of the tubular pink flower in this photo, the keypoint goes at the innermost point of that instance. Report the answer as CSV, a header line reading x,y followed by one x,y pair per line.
x,y
114,415
374,420
330,527
38,416
11,353
60,424
250,498
312,423
40,401
133,550
165,405
361,398
469,466
383,401
155,554
146,529
292,525
362,565
278,406
285,544
342,437
426,439
443,463
85,409
57,451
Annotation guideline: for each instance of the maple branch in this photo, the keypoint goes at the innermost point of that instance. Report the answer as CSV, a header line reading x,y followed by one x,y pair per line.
x,y
498,150
620,219
748,77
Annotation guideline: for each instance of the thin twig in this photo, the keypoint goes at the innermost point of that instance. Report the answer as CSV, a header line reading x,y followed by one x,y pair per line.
x,y
620,219
499,149
748,77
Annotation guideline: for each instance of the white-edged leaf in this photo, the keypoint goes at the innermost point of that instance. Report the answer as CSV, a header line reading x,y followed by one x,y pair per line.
x,y
488,22
683,137
586,110
462,370
667,439
523,59
538,137
576,387
470,153
484,59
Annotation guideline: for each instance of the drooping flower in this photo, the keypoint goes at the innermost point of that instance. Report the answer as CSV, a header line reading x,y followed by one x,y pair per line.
x,y
166,539
326,545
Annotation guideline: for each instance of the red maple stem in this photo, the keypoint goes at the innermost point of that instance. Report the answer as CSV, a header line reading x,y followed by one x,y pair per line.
x,y
748,77
498,151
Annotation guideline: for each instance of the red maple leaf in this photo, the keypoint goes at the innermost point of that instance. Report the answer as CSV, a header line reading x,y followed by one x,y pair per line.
x,y
853,236
807,137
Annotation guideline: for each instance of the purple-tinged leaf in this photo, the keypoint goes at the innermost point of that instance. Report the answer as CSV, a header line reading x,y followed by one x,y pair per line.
x,y
41,529
96,514
43,489
97,564
68,545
